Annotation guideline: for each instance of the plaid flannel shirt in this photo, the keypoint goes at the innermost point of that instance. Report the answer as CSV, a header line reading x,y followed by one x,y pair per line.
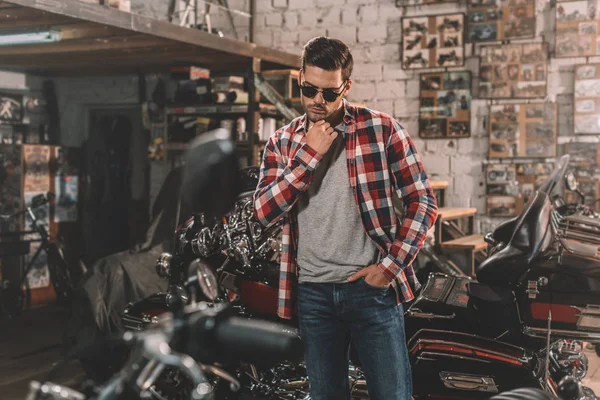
x,y
381,160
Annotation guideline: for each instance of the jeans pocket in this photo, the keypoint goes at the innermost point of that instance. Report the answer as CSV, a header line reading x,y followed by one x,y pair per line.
x,y
384,289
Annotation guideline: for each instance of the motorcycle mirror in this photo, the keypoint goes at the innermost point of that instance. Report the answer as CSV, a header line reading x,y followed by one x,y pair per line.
x,y
571,182
207,279
210,181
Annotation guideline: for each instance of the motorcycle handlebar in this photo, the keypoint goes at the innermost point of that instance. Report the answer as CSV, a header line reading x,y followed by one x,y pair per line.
x,y
250,339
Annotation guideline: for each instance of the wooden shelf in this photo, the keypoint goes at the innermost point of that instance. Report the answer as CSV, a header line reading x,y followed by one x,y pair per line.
x,y
471,242
447,213
221,109
437,185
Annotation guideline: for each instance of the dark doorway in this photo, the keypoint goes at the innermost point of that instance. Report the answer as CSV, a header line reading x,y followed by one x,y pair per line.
x,y
116,209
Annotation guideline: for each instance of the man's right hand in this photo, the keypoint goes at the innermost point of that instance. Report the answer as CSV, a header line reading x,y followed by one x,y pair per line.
x,y
320,136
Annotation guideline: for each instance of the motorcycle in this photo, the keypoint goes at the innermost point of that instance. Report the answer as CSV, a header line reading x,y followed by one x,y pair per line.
x,y
447,345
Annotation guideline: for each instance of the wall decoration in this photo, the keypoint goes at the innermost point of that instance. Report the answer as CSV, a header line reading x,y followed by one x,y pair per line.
x,y
445,105
510,186
37,175
523,130
11,108
433,41
577,29
491,20
585,164
513,71
587,99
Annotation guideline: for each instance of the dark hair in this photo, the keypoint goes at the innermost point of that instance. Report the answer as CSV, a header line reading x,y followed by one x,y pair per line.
x,y
328,54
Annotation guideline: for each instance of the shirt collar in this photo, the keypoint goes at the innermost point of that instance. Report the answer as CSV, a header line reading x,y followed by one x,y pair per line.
x,y
348,117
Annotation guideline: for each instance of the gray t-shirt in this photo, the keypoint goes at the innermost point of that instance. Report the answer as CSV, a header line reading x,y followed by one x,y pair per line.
x,y
332,242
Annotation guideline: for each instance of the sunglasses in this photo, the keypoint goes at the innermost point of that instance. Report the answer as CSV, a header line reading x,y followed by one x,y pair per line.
x,y
329,95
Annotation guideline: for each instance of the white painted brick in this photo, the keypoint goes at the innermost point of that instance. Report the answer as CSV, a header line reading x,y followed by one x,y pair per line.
x,y
412,88
388,11
308,18
411,125
370,34
346,34
394,28
13,80
300,4
385,106
395,71
367,71
349,15
368,14
274,19
285,38
306,35
361,2
265,38
362,91
418,142
406,108
377,53
290,20
475,146
464,165
329,17
265,6
436,164
390,90
442,146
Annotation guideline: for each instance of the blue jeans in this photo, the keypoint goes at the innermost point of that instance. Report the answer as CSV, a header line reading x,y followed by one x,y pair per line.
x,y
329,315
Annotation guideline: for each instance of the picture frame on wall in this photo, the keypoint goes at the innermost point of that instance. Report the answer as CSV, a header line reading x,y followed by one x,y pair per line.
x,y
576,29
11,108
586,99
513,71
523,130
493,20
445,104
433,41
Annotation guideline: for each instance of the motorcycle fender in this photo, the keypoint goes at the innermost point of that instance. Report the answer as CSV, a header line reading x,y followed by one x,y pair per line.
x,y
465,366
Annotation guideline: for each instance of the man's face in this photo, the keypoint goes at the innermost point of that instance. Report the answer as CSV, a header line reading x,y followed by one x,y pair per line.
x,y
317,108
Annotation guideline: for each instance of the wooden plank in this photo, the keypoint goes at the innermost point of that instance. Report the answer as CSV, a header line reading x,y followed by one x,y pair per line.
x,y
446,213
85,45
471,242
281,72
84,30
144,25
36,23
437,185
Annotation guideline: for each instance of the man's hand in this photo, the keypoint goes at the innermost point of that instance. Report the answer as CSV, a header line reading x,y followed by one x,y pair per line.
x,y
320,136
374,276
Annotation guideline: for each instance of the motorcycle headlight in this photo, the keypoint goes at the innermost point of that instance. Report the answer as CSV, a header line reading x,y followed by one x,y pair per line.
x,y
163,265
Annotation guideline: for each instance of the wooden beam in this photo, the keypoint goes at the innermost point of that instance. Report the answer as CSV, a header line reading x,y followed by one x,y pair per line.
x,y
85,30
140,24
86,45
34,24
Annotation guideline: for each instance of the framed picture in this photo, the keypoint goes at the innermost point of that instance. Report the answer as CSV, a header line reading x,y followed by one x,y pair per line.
x,y
510,186
523,130
586,102
577,29
445,103
433,41
513,71
585,164
492,20
11,108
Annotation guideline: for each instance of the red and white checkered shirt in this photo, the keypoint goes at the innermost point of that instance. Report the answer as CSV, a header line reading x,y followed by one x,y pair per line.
x,y
381,159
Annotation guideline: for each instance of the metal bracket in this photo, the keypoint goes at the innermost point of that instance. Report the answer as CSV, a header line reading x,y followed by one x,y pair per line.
x,y
532,289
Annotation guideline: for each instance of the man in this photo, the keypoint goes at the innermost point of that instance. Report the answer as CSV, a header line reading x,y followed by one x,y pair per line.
x,y
330,175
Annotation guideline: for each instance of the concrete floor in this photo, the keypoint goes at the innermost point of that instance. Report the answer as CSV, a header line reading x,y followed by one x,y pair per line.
x,y
31,345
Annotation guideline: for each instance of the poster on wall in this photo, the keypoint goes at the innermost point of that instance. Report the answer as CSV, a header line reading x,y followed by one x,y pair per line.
x,y
433,41
510,186
11,108
585,164
491,20
37,174
445,103
10,185
513,71
577,29
523,130
66,198
586,101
